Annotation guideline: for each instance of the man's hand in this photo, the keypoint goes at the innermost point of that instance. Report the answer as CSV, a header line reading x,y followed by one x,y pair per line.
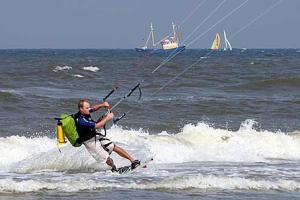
x,y
101,105
105,105
102,121
109,116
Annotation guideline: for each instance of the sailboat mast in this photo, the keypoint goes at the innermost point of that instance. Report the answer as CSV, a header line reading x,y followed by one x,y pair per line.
x,y
152,34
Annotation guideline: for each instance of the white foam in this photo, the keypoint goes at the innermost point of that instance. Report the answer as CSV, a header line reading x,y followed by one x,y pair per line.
x,y
23,155
59,68
15,148
11,91
42,166
42,91
223,182
202,142
199,142
74,184
91,68
78,76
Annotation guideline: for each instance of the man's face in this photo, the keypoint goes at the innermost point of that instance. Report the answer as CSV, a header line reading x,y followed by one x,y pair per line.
x,y
85,108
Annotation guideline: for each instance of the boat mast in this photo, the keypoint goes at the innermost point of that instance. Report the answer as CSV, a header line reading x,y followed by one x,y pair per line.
x,y
146,44
174,32
152,34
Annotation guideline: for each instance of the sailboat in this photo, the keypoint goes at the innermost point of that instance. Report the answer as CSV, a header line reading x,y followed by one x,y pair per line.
x,y
216,45
227,43
168,44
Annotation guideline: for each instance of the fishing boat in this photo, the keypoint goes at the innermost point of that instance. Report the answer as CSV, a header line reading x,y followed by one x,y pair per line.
x,y
145,47
169,43
216,45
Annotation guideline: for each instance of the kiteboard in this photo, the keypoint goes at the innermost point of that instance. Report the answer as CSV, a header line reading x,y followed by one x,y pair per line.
x,y
127,169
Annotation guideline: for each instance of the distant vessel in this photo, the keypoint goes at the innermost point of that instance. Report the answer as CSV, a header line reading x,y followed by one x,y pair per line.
x,y
216,45
145,47
227,43
168,44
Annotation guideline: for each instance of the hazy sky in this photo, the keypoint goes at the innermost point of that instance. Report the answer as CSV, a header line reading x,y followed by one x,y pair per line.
x,y
124,24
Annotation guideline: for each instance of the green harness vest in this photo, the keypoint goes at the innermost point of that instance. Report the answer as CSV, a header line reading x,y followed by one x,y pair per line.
x,y
69,129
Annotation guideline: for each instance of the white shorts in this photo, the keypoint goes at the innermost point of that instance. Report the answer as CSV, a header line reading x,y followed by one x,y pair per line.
x,y
101,149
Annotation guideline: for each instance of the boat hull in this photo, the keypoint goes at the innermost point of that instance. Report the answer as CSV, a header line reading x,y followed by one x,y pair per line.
x,y
143,50
175,50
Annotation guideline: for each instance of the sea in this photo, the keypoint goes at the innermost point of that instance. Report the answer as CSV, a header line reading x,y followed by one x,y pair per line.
x,y
218,125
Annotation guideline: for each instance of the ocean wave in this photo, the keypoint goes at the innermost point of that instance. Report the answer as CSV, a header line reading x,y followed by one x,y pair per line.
x,y
17,148
195,143
49,92
91,68
7,94
271,83
202,142
78,76
202,182
62,68
219,182
10,92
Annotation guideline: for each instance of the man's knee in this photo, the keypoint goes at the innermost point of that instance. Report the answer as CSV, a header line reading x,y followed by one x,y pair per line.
x,y
115,148
107,145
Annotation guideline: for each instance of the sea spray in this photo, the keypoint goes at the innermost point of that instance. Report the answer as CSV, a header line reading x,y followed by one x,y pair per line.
x,y
195,143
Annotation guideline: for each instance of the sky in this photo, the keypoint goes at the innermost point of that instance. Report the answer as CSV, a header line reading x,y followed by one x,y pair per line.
x,y
121,24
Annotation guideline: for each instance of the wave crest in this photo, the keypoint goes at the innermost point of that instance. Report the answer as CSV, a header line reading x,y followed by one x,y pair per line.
x,y
196,142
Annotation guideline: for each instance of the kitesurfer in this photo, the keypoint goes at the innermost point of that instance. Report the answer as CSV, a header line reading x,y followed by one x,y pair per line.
x,y
91,138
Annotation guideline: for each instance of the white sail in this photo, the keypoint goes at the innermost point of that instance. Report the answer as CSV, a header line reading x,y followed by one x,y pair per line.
x,y
227,43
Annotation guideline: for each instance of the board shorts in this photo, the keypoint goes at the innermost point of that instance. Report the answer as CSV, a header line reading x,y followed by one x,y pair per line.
x,y
101,149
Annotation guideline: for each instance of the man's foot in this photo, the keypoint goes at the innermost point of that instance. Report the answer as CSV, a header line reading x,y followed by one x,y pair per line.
x,y
135,163
114,168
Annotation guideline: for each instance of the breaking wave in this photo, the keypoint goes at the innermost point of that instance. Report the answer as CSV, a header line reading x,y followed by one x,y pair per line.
x,y
202,182
62,68
38,165
195,143
91,68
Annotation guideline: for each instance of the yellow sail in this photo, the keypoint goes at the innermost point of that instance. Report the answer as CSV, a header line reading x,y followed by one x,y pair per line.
x,y
216,43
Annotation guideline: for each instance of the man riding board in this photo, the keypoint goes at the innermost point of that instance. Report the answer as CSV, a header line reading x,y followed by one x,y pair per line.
x,y
88,134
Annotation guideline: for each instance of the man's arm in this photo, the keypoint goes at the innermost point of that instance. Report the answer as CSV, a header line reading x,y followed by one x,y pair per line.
x,y
101,105
101,122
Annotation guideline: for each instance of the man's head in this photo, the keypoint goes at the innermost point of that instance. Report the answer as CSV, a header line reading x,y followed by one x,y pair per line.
x,y
84,106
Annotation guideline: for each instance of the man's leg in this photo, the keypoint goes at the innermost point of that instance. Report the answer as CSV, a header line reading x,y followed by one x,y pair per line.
x,y
122,153
98,153
109,146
